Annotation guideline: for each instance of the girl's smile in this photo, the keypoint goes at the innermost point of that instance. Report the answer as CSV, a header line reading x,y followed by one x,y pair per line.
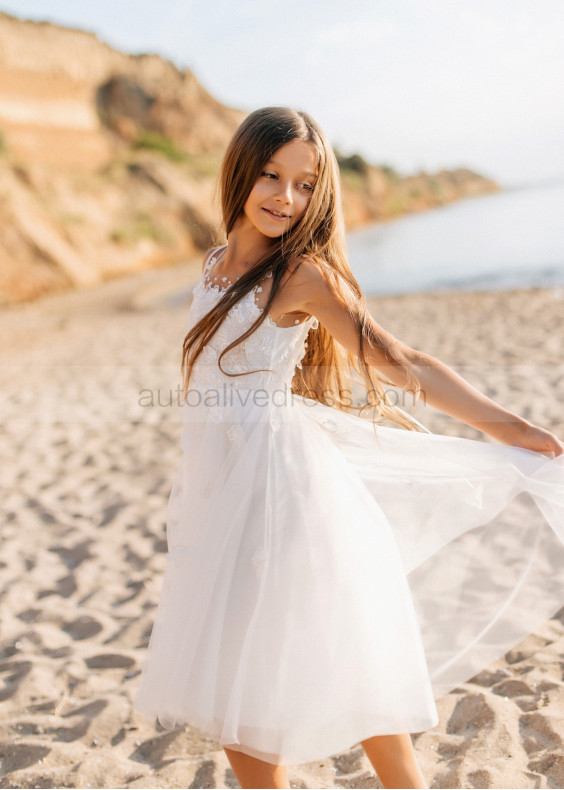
x,y
276,214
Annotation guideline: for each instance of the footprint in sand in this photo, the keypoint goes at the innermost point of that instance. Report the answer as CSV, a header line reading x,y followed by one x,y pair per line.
x,y
472,713
84,627
550,766
532,644
75,555
66,586
17,671
87,713
537,734
16,756
153,750
204,776
109,661
480,778
348,763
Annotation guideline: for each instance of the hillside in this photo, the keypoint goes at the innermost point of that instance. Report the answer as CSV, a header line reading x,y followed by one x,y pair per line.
x,y
108,163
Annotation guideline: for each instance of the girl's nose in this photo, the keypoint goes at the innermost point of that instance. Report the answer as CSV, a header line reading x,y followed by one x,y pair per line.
x,y
284,192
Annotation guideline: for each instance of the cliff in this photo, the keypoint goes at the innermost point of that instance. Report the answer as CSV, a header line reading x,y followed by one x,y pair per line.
x,y
372,194
108,163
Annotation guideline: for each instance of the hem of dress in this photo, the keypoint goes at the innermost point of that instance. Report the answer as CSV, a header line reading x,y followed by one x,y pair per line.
x,y
408,726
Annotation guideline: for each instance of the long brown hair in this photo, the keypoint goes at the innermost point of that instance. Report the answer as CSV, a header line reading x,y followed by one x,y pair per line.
x,y
326,371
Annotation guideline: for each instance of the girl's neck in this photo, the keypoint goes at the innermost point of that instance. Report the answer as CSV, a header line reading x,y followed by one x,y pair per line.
x,y
244,249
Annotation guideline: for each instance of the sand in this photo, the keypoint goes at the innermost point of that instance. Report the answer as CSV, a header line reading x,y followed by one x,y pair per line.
x,y
86,476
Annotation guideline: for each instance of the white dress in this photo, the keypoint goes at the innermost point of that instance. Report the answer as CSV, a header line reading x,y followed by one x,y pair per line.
x,y
324,583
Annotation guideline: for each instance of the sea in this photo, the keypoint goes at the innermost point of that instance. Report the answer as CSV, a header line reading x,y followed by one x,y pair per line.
x,y
512,239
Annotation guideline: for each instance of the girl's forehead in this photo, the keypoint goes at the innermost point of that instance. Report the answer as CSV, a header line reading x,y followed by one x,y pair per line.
x,y
297,153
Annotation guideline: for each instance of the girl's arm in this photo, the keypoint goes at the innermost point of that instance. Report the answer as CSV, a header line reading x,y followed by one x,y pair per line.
x,y
441,387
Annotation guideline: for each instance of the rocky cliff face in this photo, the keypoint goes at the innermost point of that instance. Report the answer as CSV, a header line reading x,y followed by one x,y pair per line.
x,y
107,160
108,163
62,93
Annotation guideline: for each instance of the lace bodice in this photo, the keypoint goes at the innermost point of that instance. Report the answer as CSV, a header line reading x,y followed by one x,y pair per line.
x,y
279,349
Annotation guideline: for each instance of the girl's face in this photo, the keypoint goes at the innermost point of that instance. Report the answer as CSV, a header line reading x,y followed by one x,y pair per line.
x,y
282,192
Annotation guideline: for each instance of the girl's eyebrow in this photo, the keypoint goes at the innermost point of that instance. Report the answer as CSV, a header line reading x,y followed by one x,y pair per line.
x,y
305,172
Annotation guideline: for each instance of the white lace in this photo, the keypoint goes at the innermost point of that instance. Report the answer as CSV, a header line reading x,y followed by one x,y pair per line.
x,y
277,349
210,283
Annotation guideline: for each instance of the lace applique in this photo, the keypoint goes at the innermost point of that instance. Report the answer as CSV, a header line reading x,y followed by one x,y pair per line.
x,y
333,426
207,279
275,421
271,352
235,433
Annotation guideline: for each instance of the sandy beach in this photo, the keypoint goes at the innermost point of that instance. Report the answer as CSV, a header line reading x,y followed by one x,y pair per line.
x,y
89,434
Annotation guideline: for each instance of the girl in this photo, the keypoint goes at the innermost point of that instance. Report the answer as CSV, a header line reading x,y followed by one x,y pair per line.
x,y
329,576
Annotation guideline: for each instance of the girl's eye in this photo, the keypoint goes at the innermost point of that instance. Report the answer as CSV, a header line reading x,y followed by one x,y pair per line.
x,y
273,177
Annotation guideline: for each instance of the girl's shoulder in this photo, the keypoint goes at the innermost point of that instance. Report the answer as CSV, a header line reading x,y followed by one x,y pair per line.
x,y
314,274
309,270
318,284
314,285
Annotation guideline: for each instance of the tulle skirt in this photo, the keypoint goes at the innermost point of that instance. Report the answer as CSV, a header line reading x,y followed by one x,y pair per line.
x,y
326,583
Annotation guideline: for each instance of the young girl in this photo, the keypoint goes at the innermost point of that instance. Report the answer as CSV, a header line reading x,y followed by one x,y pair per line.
x,y
328,577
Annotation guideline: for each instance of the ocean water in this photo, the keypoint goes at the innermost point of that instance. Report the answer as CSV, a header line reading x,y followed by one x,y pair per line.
x,y
513,239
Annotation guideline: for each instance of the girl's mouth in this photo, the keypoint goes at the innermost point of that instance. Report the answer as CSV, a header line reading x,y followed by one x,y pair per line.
x,y
279,215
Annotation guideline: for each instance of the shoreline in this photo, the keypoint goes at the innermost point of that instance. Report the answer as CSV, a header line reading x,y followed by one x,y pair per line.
x,y
171,286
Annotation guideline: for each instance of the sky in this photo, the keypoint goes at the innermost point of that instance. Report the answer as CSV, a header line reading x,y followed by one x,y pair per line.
x,y
414,84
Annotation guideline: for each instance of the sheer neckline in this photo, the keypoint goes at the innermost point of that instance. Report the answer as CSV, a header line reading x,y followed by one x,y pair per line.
x,y
216,289
208,286
218,255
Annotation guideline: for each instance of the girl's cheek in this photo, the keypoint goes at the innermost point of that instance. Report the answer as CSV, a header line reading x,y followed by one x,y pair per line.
x,y
260,190
304,203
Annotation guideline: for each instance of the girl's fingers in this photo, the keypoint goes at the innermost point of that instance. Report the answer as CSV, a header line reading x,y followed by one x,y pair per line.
x,y
541,441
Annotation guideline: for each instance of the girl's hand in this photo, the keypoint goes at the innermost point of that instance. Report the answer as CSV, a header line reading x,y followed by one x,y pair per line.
x,y
531,437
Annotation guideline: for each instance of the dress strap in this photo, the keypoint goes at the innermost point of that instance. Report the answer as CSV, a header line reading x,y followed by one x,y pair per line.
x,y
212,258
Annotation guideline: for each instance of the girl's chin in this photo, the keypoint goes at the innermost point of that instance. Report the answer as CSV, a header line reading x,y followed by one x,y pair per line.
x,y
271,230
276,229
273,233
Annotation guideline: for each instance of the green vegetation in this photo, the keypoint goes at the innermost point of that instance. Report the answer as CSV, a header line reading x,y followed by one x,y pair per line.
x,y
389,172
203,165
354,163
396,205
355,168
353,179
154,141
141,226
198,165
